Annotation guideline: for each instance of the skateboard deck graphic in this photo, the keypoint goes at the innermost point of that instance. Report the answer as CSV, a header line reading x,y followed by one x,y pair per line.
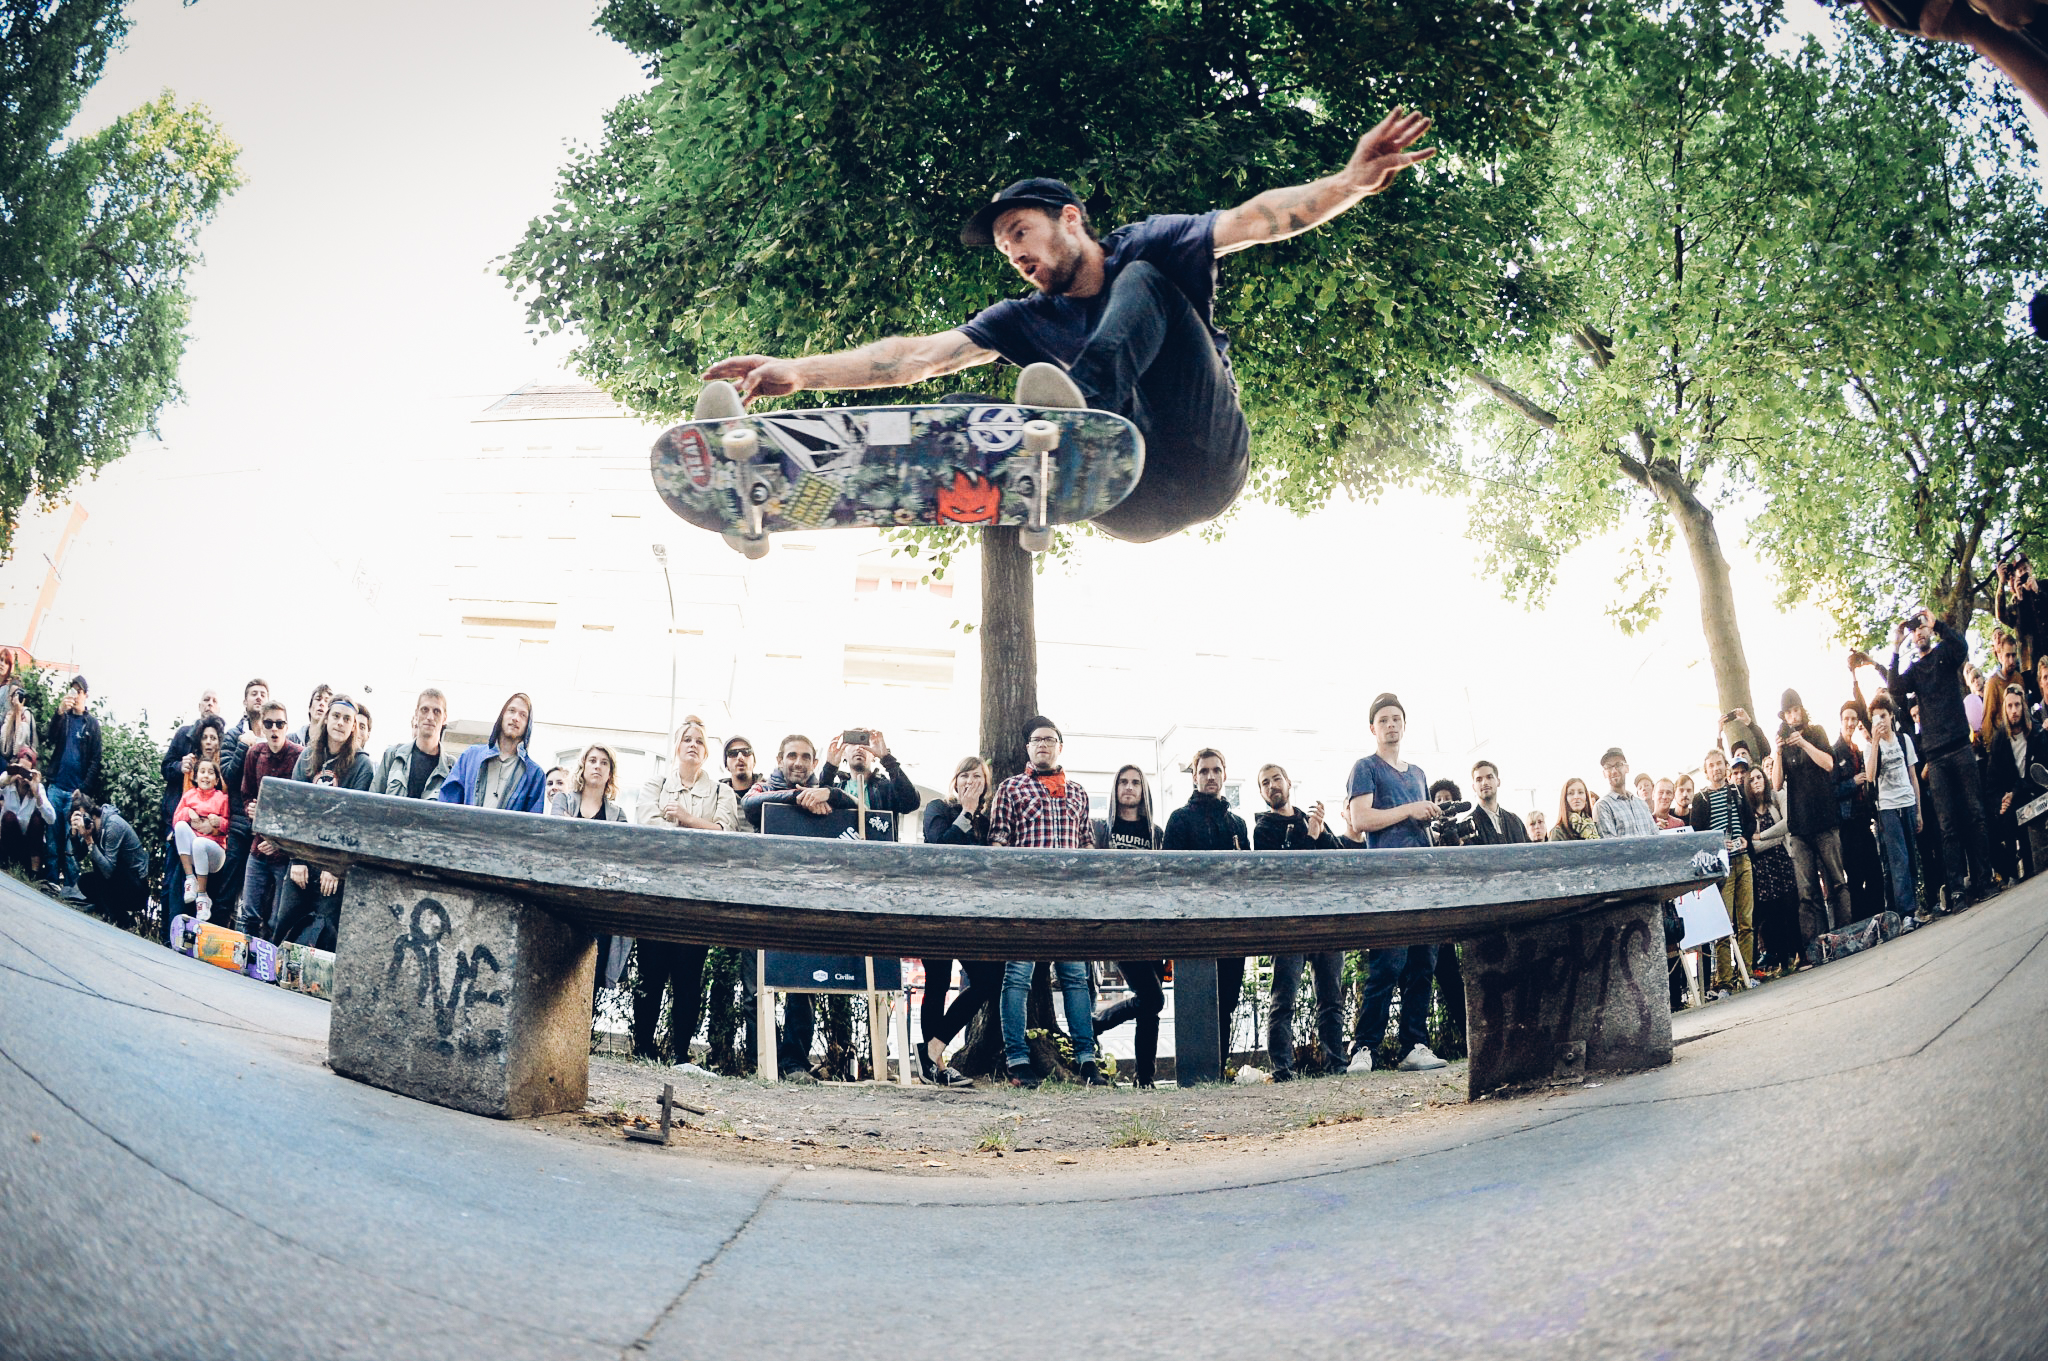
x,y
301,968
891,466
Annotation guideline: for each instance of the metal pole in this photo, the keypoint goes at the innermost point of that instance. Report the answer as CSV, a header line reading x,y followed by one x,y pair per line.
x,y
661,556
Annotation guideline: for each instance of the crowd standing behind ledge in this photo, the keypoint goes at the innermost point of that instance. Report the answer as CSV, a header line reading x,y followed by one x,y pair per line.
x,y
1911,806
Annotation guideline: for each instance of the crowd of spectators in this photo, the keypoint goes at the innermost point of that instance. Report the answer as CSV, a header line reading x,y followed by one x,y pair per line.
x,y
1924,801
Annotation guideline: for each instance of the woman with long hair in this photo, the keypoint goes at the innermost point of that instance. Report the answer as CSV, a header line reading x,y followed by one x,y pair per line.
x,y
686,797
1774,886
592,792
960,820
309,912
2015,746
1574,813
1130,827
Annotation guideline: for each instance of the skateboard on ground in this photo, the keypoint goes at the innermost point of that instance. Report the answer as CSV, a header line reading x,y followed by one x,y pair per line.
x,y
211,944
301,968
883,467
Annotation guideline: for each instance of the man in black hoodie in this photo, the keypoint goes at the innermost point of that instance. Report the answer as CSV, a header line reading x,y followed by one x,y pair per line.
x,y
1933,679
1205,823
1283,827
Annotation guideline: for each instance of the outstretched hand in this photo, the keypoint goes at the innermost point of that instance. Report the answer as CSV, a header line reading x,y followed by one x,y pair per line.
x,y
757,375
1383,153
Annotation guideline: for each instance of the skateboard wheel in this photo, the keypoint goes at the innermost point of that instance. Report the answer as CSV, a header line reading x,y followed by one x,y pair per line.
x,y
1035,538
1041,437
740,443
751,549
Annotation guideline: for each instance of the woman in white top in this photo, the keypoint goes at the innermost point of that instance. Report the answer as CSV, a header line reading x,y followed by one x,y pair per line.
x,y
688,798
1888,761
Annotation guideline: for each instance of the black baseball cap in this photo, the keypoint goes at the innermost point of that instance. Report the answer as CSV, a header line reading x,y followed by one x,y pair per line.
x,y
979,230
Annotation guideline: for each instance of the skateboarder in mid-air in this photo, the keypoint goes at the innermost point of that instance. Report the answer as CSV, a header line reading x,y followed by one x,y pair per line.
x,y
1122,323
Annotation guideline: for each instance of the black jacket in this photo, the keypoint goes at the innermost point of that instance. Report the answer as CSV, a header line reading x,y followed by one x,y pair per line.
x,y
1271,832
942,819
1205,823
2003,776
83,729
117,856
1511,833
1936,681
1711,813
888,788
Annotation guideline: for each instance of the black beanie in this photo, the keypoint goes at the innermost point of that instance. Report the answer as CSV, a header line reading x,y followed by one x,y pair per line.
x,y
1789,700
1385,700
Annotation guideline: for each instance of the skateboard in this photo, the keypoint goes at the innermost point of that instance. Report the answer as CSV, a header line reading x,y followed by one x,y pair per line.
x,y
885,467
301,968
216,945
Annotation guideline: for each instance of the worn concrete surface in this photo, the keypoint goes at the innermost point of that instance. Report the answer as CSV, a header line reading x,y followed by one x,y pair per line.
x,y
1849,1163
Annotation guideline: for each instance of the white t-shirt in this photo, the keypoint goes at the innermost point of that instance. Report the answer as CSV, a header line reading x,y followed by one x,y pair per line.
x,y
1892,760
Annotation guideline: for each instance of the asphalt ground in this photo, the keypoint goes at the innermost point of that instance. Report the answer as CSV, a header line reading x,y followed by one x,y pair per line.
x,y
1847,1163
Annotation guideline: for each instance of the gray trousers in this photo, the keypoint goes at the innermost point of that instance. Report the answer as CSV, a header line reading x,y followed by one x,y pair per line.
x,y
1327,967
1819,910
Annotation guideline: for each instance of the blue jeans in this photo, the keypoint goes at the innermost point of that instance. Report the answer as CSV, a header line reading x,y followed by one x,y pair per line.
x,y
1895,848
1151,360
257,909
1072,978
58,863
1413,967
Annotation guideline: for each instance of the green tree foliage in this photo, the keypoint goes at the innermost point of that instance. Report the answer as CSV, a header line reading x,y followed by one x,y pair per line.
x,y
795,179
1915,461
100,234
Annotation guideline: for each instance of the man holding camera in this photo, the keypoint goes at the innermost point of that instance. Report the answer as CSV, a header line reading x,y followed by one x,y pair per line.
x,y
1390,804
74,767
1805,771
114,866
1931,679
871,776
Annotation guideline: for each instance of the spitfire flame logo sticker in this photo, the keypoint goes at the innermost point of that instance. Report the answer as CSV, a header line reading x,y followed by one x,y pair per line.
x,y
969,499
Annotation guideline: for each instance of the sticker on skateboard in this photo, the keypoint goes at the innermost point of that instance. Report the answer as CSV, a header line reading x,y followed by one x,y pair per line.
x,y
895,466
301,968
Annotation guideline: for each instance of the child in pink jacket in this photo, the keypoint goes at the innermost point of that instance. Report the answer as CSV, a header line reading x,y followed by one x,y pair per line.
x,y
200,829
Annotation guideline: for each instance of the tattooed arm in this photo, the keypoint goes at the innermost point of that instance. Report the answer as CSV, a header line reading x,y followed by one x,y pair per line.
x,y
1280,213
896,361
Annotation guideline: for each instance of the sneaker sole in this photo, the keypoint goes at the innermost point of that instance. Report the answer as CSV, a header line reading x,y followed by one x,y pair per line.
x,y
1047,385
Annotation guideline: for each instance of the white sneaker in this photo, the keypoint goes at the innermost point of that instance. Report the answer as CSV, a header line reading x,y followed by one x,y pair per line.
x,y
719,401
1361,1062
1047,385
1420,1059
205,909
191,889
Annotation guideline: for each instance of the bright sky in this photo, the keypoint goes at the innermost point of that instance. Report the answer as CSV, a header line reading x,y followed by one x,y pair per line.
x,y
348,325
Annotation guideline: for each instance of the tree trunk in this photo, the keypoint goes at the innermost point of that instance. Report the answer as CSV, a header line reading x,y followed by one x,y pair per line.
x,y
1009,649
1717,592
1009,696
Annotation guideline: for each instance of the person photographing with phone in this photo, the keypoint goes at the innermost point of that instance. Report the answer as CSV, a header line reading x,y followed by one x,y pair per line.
x,y
1926,670
859,764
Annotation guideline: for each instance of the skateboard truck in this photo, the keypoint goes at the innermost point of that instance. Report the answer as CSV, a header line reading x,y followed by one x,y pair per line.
x,y
1041,437
741,445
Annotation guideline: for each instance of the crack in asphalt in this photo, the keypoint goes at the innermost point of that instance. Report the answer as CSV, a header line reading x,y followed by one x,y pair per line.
x,y
86,991
704,1268
148,957
236,1212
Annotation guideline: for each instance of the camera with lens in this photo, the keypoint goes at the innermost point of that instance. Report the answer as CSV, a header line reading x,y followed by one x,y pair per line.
x,y
1453,823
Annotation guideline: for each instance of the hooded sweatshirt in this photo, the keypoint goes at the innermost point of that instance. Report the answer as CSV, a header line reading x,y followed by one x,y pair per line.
x,y
526,784
1272,832
776,788
1205,823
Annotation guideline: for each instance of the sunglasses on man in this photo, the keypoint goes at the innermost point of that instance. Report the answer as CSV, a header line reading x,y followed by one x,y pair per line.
x,y
275,723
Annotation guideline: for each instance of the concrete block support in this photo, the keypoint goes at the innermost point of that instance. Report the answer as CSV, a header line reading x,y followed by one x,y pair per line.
x,y
460,996
1558,1000
1197,1044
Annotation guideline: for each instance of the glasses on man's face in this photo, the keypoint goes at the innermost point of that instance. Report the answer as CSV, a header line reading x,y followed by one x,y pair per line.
x,y
739,751
275,723
1043,742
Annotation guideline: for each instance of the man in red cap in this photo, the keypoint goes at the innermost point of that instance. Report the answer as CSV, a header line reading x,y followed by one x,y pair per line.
x,y
1120,323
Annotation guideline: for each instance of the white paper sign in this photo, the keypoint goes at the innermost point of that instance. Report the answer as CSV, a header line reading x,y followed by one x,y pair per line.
x,y
1706,918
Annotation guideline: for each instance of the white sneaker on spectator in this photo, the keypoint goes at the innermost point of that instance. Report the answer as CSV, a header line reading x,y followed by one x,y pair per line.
x,y
1361,1062
1420,1059
205,908
191,890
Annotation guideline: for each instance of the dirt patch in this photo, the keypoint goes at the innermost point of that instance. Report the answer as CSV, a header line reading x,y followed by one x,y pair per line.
x,y
998,1129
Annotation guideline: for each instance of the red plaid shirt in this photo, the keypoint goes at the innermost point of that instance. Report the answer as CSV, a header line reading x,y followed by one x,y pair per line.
x,y
1027,815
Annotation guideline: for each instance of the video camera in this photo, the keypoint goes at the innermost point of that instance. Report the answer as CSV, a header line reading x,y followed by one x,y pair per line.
x,y
1453,823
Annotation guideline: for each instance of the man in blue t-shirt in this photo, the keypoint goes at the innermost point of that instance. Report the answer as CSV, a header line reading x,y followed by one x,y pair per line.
x,y
1123,323
1390,803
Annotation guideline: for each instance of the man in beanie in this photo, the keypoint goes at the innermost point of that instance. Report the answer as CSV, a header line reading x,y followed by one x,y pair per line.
x,y
1805,771
1390,803
1043,809
1123,323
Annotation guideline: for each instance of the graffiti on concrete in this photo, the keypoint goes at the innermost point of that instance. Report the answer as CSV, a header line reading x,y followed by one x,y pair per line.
x,y
1529,993
459,1028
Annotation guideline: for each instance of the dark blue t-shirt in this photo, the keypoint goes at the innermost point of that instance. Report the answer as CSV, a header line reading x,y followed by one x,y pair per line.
x,y
1051,329
1390,788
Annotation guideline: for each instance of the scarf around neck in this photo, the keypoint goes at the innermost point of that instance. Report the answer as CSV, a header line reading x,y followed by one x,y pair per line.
x,y
1055,782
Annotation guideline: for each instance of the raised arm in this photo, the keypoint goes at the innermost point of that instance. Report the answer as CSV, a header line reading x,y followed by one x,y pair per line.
x,y
895,361
1280,213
